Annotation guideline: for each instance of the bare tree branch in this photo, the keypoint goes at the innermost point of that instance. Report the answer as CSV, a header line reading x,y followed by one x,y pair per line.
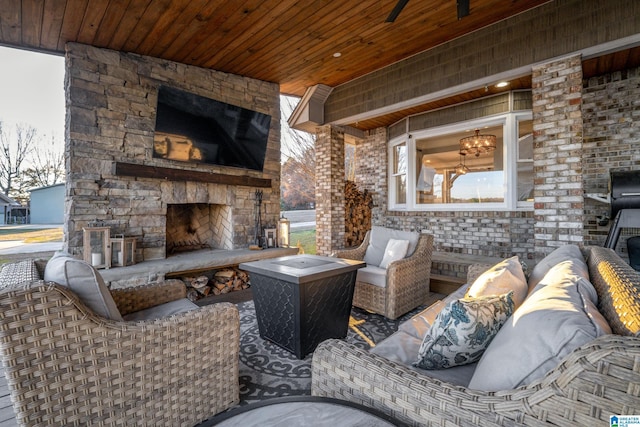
x,y
14,150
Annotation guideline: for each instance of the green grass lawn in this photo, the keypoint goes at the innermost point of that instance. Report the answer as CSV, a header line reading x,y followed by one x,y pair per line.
x,y
31,235
305,240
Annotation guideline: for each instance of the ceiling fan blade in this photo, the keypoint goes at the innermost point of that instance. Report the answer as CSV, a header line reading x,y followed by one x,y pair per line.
x,y
463,8
396,10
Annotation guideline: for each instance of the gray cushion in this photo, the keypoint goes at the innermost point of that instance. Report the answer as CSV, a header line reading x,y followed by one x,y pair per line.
x,y
18,272
395,250
373,275
555,319
163,310
378,239
563,253
84,281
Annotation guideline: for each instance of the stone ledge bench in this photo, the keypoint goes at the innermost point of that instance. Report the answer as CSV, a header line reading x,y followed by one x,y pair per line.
x,y
449,270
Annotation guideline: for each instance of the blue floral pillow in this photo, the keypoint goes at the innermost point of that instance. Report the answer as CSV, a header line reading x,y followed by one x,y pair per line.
x,y
463,330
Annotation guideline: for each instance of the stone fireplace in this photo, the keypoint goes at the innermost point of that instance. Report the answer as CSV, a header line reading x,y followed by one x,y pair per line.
x,y
167,205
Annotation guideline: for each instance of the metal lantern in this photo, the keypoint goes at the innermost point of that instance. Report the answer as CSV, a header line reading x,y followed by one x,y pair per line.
x,y
284,229
270,237
123,251
96,246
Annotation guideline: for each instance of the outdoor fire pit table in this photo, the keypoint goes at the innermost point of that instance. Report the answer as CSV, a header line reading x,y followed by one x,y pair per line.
x,y
302,300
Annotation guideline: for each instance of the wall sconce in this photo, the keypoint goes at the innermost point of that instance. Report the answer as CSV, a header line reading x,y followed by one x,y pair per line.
x,y
97,246
284,229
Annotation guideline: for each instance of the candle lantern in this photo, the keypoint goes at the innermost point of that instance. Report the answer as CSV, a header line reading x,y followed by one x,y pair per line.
x,y
270,237
96,246
284,228
123,251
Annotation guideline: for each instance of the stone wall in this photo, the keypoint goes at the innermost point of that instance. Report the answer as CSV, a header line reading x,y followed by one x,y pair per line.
x,y
111,103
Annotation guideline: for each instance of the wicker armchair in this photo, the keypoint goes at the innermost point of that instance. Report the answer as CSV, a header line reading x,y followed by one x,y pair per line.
x,y
65,365
599,379
407,281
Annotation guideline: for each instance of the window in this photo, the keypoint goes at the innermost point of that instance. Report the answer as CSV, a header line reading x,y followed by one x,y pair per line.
x,y
444,179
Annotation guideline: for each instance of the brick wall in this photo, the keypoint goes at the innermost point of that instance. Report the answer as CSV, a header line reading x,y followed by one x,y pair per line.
x,y
557,154
330,201
611,117
111,102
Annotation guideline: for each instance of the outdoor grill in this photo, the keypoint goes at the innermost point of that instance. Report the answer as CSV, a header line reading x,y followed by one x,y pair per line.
x,y
625,206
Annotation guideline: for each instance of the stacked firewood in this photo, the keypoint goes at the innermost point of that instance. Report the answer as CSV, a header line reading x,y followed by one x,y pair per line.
x,y
357,219
222,282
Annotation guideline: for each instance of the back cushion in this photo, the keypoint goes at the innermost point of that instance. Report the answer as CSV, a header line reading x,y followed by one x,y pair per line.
x,y
84,281
563,253
557,318
378,239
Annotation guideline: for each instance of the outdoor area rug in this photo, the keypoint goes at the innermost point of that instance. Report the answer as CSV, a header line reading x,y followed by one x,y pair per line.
x,y
268,371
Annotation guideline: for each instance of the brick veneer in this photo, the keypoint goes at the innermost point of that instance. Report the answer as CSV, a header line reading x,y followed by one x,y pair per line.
x,y
329,189
557,154
582,130
111,102
611,123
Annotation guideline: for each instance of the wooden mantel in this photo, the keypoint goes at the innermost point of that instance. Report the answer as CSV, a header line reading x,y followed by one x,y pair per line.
x,y
171,174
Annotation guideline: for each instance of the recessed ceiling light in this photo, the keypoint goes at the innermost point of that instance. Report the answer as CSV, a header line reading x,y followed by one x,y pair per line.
x,y
502,84
337,55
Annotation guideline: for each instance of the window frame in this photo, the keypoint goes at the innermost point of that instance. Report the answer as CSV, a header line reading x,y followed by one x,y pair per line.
x,y
509,122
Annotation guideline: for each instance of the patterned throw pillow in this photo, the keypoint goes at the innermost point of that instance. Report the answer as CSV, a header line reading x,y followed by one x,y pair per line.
x,y
463,330
18,272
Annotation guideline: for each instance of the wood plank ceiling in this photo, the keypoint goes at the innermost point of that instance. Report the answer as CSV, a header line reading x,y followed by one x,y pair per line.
x,y
290,42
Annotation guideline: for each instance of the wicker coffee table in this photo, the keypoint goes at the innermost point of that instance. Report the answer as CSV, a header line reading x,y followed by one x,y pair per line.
x,y
302,411
302,300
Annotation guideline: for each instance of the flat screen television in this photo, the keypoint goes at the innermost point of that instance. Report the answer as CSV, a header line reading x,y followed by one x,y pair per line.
x,y
193,128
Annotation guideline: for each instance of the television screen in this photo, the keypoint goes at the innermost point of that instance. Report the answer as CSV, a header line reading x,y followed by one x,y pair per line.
x,y
193,128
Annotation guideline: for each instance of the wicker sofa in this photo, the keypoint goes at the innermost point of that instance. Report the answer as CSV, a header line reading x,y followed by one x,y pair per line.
x,y
399,287
595,381
67,365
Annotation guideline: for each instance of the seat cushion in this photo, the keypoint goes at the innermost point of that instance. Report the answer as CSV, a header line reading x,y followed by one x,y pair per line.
x,y
555,319
18,272
462,331
505,276
84,281
378,239
402,348
163,310
373,275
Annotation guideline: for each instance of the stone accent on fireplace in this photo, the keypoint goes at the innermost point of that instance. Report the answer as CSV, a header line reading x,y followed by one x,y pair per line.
x,y
111,107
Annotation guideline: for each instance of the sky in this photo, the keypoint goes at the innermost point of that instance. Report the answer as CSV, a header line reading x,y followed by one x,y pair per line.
x,y
32,90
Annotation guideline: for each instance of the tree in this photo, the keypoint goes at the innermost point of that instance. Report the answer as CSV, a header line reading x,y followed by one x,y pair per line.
x,y
298,162
47,165
15,147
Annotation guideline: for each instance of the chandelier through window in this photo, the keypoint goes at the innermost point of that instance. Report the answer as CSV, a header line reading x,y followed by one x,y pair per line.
x,y
477,144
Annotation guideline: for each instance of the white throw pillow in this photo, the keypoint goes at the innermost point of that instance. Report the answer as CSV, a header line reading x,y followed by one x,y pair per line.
x,y
505,276
84,281
463,330
554,320
395,250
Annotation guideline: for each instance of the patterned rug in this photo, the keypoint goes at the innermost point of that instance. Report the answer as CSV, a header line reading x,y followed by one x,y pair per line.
x,y
267,370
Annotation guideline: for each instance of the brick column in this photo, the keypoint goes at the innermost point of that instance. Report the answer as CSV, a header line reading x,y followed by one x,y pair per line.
x,y
557,157
329,189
